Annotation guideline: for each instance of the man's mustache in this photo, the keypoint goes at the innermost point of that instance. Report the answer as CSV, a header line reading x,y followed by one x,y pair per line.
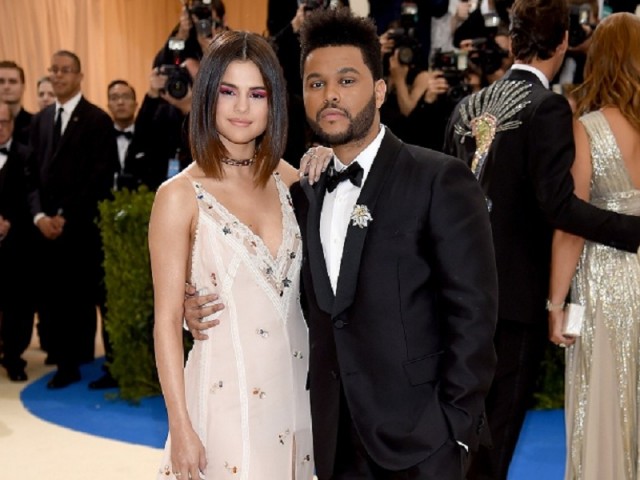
x,y
333,106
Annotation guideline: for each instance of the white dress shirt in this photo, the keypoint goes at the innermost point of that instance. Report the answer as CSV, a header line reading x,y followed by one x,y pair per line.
x,y
337,208
3,157
68,107
123,144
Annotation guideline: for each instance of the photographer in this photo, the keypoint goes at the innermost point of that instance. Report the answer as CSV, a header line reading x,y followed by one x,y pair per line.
x,y
161,125
415,107
199,21
583,18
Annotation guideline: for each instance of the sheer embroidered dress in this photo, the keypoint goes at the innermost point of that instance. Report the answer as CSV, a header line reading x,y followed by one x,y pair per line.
x,y
245,385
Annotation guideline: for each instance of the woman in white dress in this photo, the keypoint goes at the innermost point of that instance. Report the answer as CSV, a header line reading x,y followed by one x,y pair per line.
x,y
602,389
239,409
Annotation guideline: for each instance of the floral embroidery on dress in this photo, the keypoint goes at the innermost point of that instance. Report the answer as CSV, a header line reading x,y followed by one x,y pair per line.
x,y
278,270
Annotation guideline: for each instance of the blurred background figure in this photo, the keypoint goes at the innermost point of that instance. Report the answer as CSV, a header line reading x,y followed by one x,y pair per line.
x,y
72,162
46,96
199,22
122,105
17,235
12,87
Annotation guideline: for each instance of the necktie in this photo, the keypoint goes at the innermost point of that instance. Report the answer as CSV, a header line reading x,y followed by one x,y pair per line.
x,y
4,150
353,173
57,128
122,133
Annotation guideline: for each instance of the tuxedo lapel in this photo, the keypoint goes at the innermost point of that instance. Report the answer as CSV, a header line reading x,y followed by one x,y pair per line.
x,y
354,242
317,263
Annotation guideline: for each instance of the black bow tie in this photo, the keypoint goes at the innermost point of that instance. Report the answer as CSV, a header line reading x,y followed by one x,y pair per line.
x,y
4,150
353,173
127,135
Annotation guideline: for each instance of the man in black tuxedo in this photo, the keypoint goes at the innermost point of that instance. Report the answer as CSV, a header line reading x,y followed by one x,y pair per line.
x,y
399,278
17,235
398,274
122,105
516,137
71,169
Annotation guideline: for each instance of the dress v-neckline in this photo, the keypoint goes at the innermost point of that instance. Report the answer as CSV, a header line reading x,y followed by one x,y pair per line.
x,y
259,240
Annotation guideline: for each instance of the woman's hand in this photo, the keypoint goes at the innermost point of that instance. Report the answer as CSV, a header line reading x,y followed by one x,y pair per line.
x,y
556,323
314,162
188,459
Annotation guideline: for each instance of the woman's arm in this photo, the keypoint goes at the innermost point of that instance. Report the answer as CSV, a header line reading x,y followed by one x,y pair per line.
x,y
172,222
566,248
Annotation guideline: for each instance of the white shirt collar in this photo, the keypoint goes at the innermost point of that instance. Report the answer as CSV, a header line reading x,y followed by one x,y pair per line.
x,y
528,68
70,105
130,128
7,145
365,157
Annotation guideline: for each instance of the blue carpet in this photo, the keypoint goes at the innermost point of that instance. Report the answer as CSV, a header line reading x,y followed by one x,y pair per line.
x,y
539,455
95,411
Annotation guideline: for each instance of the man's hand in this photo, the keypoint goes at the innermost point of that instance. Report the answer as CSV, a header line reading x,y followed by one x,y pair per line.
x,y
51,227
185,25
387,44
436,85
198,307
5,225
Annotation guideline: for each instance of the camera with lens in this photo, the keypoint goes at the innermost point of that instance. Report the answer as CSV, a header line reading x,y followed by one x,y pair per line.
x,y
452,65
579,16
404,37
313,4
178,77
204,23
178,80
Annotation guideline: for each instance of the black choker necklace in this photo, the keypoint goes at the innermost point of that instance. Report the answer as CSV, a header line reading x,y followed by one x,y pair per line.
x,y
239,163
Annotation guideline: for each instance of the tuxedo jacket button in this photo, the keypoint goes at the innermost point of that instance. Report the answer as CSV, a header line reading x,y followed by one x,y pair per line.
x,y
335,374
339,324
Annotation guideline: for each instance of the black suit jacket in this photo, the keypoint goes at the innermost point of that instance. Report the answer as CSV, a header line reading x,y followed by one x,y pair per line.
x,y
74,178
161,132
409,333
528,181
16,249
79,172
22,125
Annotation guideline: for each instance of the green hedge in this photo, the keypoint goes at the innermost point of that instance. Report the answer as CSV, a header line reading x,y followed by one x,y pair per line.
x,y
129,320
124,227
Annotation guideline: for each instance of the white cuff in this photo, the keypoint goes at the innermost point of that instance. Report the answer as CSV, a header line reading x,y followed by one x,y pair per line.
x,y
37,218
463,446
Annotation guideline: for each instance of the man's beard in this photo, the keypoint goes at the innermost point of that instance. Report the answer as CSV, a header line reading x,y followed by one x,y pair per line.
x,y
359,125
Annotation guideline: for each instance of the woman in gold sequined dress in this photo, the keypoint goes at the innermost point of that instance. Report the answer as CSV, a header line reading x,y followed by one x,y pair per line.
x,y
602,392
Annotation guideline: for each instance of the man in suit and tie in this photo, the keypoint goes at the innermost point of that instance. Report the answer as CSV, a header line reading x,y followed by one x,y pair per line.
x,y
17,235
399,278
71,168
516,135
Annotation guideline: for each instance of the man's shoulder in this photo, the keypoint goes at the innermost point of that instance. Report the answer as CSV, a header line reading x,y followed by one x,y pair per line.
x,y
85,107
